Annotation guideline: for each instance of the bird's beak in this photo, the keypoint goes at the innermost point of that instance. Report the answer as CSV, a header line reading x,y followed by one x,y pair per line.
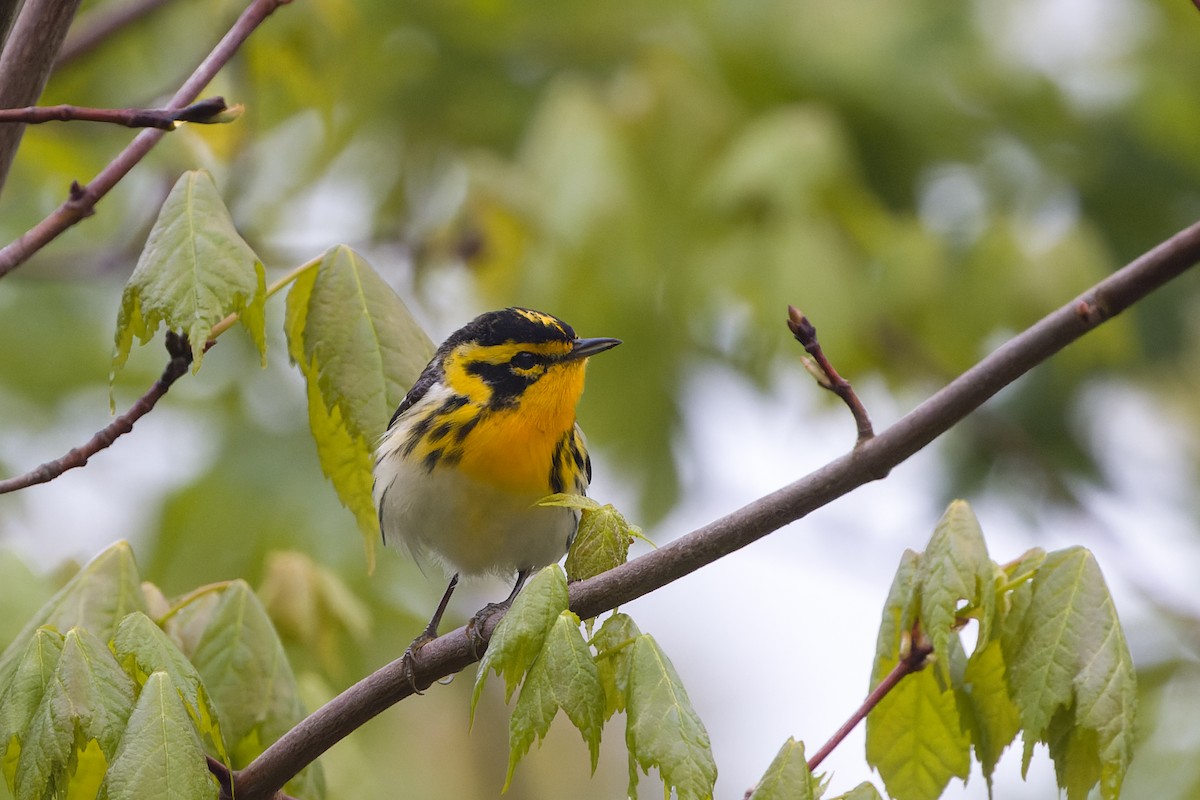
x,y
582,348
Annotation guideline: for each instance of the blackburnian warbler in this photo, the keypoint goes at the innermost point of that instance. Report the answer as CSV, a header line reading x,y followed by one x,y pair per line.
x,y
487,431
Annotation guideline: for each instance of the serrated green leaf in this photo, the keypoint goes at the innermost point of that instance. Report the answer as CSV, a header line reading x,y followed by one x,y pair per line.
x,y
194,271
359,350
787,778
992,717
96,598
864,791
160,755
564,500
913,735
22,697
521,634
143,649
601,543
1068,656
246,672
88,698
614,654
914,738
956,568
662,728
562,676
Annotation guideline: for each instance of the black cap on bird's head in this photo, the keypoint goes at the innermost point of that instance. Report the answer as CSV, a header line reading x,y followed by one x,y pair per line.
x,y
527,326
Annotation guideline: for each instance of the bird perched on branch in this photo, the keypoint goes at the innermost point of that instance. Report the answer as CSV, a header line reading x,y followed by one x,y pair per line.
x,y
487,431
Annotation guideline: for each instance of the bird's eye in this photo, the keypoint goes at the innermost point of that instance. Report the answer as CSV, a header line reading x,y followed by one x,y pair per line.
x,y
524,360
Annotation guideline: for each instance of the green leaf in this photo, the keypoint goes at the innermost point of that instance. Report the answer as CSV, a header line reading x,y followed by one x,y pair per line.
x,y
662,729
985,704
521,634
88,698
601,543
160,755
562,676
787,778
245,669
1071,674
96,598
956,568
143,649
914,738
864,791
359,350
194,271
22,697
614,654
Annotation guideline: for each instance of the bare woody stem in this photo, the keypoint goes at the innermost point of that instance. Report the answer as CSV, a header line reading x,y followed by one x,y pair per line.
x,y
870,461
181,358
912,661
83,199
206,111
827,376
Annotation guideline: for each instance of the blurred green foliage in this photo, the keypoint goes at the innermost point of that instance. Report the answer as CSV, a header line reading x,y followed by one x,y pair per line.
x,y
921,178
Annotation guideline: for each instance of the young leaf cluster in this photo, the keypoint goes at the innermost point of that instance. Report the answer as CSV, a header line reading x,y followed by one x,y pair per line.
x,y
351,336
540,647
1049,662
99,699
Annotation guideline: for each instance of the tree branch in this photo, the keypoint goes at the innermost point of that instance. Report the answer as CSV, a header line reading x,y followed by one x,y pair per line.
x,y
869,461
205,112
181,358
81,202
26,61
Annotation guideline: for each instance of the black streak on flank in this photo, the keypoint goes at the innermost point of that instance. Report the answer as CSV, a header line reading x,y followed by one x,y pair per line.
x,y
419,429
556,464
432,459
465,428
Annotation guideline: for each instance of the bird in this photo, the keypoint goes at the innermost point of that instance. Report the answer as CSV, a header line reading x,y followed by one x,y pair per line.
x,y
488,429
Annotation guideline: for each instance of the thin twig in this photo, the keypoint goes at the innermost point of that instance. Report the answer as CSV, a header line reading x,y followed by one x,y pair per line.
x,y
181,358
84,198
452,652
205,112
912,661
826,375
93,28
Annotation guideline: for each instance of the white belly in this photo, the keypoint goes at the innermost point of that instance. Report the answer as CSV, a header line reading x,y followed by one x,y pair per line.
x,y
473,527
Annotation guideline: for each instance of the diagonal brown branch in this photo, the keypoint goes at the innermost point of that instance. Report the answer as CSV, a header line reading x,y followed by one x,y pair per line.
x,y
181,358
81,201
869,461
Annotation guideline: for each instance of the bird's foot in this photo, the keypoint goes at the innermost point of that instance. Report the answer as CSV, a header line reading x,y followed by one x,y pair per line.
x,y
477,623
